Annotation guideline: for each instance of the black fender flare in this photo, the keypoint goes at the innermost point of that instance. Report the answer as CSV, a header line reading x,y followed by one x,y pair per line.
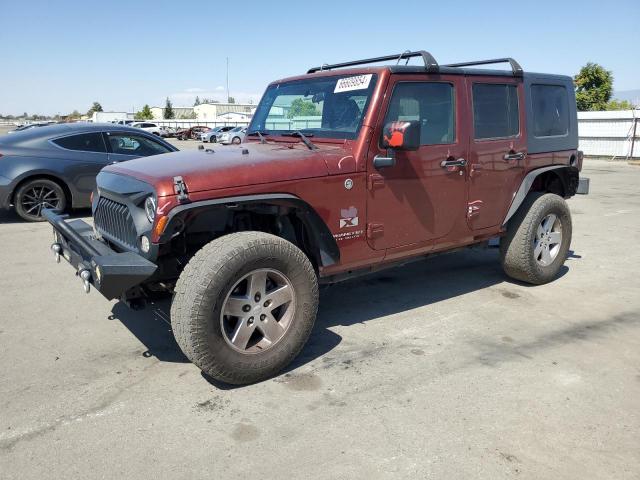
x,y
525,186
326,247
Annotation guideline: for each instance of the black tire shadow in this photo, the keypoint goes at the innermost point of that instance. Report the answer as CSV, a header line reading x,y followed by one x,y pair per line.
x,y
152,327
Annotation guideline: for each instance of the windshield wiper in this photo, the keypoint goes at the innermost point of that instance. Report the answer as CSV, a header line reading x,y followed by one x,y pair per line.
x,y
303,137
259,134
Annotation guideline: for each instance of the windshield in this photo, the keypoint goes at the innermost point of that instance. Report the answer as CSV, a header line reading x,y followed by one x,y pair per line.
x,y
326,107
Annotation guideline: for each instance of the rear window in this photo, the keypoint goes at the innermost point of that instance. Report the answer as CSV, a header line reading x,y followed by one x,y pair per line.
x,y
550,110
86,142
495,111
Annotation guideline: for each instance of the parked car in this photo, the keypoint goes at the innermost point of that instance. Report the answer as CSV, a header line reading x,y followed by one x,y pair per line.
x,y
191,133
235,136
148,127
167,132
398,163
56,166
211,135
126,122
29,126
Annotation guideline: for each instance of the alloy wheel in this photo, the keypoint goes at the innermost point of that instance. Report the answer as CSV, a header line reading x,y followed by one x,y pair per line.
x,y
258,311
39,197
548,240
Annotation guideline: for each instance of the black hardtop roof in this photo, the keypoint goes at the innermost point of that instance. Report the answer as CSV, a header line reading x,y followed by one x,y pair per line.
x,y
430,65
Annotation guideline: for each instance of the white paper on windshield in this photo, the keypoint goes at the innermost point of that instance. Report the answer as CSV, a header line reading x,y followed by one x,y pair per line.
x,y
359,82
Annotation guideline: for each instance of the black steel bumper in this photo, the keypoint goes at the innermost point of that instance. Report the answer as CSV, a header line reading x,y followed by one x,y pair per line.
x,y
112,273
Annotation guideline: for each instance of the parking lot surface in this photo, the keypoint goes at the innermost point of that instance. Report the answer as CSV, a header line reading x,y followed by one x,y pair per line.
x,y
441,369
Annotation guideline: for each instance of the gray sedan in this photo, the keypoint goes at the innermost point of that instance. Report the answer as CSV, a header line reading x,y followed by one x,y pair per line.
x,y
56,166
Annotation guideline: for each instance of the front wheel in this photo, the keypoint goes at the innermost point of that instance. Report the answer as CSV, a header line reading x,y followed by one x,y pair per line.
x,y
244,306
538,239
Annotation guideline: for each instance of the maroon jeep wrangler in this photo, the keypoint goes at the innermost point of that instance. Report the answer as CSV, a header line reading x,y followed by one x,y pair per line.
x,y
345,170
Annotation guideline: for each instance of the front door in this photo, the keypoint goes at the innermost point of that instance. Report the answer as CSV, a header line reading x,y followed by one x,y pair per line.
x,y
419,199
497,148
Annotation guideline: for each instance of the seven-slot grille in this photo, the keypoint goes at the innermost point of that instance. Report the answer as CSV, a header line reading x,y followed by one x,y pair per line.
x,y
114,220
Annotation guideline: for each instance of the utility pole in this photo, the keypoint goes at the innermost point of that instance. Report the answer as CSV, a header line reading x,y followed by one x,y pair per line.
x,y
227,80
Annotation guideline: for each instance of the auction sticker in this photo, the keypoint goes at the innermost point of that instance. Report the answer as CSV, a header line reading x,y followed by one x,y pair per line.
x,y
359,82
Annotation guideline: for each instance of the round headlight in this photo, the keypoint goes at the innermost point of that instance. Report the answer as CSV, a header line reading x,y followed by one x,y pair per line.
x,y
150,208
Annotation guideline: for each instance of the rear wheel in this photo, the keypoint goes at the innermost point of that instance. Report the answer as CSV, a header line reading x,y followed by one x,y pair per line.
x,y
538,239
244,306
236,140
35,195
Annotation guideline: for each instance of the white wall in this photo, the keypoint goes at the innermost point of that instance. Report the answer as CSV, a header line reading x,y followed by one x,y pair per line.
x,y
101,117
194,122
609,134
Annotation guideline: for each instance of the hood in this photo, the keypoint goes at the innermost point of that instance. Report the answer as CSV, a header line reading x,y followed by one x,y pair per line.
x,y
224,167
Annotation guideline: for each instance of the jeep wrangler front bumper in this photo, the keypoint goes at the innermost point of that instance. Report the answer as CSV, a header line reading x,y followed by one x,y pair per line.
x,y
112,273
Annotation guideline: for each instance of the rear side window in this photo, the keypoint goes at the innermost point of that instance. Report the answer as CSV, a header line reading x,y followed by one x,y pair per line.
x,y
495,111
85,142
550,110
126,144
431,104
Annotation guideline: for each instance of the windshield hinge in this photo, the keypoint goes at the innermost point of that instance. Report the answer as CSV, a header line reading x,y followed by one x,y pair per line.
x,y
180,188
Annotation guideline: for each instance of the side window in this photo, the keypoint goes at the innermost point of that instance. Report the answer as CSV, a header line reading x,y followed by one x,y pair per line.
x,y
495,111
85,142
550,110
430,103
127,144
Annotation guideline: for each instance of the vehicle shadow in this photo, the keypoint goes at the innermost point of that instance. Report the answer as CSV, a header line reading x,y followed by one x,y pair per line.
x,y
347,303
152,327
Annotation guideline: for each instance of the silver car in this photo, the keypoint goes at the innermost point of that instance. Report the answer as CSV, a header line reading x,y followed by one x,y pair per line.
x,y
212,134
234,136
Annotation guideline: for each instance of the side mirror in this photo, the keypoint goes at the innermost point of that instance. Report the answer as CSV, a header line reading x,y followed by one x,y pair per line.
x,y
401,135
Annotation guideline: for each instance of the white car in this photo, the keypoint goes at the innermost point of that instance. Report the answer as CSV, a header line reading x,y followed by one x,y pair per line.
x,y
235,136
148,127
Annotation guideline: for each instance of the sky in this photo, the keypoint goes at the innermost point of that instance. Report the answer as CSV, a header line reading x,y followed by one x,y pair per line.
x,y
57,56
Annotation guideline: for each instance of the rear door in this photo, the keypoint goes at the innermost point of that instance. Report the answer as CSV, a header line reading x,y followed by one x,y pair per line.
x,y
419,200
497,148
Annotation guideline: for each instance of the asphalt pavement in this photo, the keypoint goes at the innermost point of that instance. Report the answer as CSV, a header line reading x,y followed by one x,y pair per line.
x,y
442,369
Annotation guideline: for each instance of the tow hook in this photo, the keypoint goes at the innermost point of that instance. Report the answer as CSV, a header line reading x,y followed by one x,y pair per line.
x,y
56,248
85,276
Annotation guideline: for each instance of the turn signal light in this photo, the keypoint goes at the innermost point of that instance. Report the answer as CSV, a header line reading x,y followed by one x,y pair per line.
x,y
160,226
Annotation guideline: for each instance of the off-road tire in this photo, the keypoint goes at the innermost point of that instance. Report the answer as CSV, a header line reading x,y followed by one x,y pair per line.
x,y
517,247
19,198
203,286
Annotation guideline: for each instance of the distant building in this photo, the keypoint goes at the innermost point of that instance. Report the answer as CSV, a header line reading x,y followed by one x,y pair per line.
x,y
178,112
103,117
212,111
234,117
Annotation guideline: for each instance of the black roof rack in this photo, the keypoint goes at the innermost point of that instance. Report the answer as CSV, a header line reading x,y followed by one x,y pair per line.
x,y
515,66
430,63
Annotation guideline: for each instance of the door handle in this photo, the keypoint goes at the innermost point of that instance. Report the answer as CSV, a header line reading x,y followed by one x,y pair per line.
x,y
380,161
460,162
514,156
